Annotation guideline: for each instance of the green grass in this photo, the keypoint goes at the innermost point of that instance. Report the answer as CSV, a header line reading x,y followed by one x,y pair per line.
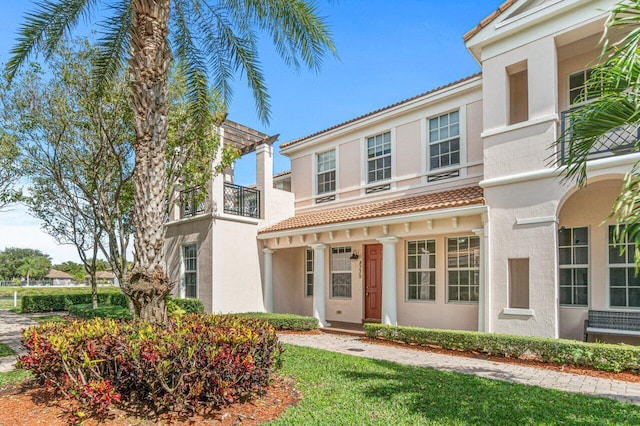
x,y
5,350
48,318
12,377
23,291
8,303
343,389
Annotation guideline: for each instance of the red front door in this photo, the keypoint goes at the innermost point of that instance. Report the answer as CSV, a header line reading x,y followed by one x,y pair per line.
x,y
373,282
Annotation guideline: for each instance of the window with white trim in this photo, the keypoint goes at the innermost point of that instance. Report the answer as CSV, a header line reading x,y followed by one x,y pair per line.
x,y
308,273
379,157
421,270
444,140
624,284
573,259
463,269
190,261
579,91
341,272
326,172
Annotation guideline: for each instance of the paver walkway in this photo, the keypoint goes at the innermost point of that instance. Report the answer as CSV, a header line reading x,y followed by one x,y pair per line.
x,y
515,373
11,326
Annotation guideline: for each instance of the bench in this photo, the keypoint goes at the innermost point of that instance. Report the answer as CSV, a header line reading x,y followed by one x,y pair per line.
x,y
612,322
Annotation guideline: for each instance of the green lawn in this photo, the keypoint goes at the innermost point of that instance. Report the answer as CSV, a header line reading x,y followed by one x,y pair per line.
x,y
5,350
22,291
342,389
11,377
48,318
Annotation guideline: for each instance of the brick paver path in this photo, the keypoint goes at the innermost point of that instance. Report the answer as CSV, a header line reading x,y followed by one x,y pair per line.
x,y
515,373
11,326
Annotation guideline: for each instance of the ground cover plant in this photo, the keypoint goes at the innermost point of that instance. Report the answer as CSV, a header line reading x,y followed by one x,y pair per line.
x,y
191,360
284,321
600,356
86,311
5,350
13,377
344,389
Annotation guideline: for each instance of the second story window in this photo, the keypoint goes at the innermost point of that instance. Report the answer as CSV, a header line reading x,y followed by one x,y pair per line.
x,y
191,202
579,90
444,140
379,157
326,179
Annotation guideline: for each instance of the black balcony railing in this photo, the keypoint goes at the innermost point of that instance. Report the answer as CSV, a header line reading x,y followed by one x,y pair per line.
x,y
616,142
191,202
241,201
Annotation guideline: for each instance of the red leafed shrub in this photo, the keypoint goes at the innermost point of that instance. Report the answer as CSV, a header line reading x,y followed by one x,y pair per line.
x,y
194,359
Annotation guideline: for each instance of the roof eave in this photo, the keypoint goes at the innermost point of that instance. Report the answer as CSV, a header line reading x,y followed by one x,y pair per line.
x,y
467,210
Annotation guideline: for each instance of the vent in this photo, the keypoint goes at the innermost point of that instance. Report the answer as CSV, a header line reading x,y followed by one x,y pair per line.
x,y
443,176
378,188
325,199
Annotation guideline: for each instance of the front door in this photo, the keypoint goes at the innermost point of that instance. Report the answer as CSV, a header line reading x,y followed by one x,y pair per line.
x,y
373,282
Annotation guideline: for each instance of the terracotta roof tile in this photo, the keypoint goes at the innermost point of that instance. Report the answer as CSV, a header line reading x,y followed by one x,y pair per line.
x,y
295,141
489,19
277,175
420,203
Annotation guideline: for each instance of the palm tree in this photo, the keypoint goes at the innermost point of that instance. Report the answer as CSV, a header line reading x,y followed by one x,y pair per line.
x,y
617,78
216,35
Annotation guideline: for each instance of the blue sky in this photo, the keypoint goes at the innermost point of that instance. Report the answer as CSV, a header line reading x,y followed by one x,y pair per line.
x,y
388,51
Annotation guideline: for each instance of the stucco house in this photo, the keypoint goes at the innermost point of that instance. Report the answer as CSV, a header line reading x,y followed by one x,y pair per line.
x,y
444,210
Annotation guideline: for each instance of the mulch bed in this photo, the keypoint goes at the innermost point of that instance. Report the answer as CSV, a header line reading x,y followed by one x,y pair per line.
x,y
30,404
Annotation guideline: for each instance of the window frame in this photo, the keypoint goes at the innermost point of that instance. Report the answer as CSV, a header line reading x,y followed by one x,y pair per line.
x,y
627,266
432,271
586,74
368,160
317,173
308,271
474,271
574,266
430,144
346,250
185,271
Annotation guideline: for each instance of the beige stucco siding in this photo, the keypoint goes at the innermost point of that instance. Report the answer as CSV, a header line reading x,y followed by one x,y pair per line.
x,y
409,152
348,174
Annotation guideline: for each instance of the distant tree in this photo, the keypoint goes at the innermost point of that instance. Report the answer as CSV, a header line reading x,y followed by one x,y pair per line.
x,y
11,260
34,267
10,170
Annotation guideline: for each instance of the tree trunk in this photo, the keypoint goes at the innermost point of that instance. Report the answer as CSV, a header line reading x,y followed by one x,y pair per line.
x,y
150,58
94,290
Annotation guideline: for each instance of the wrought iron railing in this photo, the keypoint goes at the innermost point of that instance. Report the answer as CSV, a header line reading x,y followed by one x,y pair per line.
x,y
191,202
241,201
616,142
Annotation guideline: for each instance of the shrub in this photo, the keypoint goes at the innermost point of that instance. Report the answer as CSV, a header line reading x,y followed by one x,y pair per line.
x,y
56,301
283,321
189,306
599,356
86,311
193,359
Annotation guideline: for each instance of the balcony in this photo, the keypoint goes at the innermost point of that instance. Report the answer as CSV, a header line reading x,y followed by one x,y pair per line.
x,y
191,202
241,201
616,142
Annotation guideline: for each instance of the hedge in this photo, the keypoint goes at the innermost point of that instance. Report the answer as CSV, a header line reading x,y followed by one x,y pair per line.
x,y
189,361
61,302
600,356
283,321
189,306
86,311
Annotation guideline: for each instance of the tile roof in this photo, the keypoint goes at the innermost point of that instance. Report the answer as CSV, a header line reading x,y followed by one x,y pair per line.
x,y
489,19
420,203
281,174
295,141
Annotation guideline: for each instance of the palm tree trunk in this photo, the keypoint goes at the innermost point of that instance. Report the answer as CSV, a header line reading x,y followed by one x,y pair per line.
x,y
149,63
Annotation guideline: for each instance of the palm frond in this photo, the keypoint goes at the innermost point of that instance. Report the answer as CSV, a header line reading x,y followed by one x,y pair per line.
x,y
113,46
44,29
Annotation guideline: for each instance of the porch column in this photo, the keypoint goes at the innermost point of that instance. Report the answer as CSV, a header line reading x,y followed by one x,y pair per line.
x,y
318,284
482,296
267,291
389,302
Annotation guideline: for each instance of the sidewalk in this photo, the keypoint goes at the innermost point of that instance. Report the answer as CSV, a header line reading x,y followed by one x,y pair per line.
x,y
11,326
514,373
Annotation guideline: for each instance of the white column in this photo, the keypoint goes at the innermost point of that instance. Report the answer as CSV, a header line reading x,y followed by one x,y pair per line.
x,y
319,284
482,296
264,176
389,298
267,291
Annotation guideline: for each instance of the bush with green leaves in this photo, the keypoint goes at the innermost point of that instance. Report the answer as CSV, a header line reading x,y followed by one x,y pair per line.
x,y
283,321
189,306
56,301
600,356
191,360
